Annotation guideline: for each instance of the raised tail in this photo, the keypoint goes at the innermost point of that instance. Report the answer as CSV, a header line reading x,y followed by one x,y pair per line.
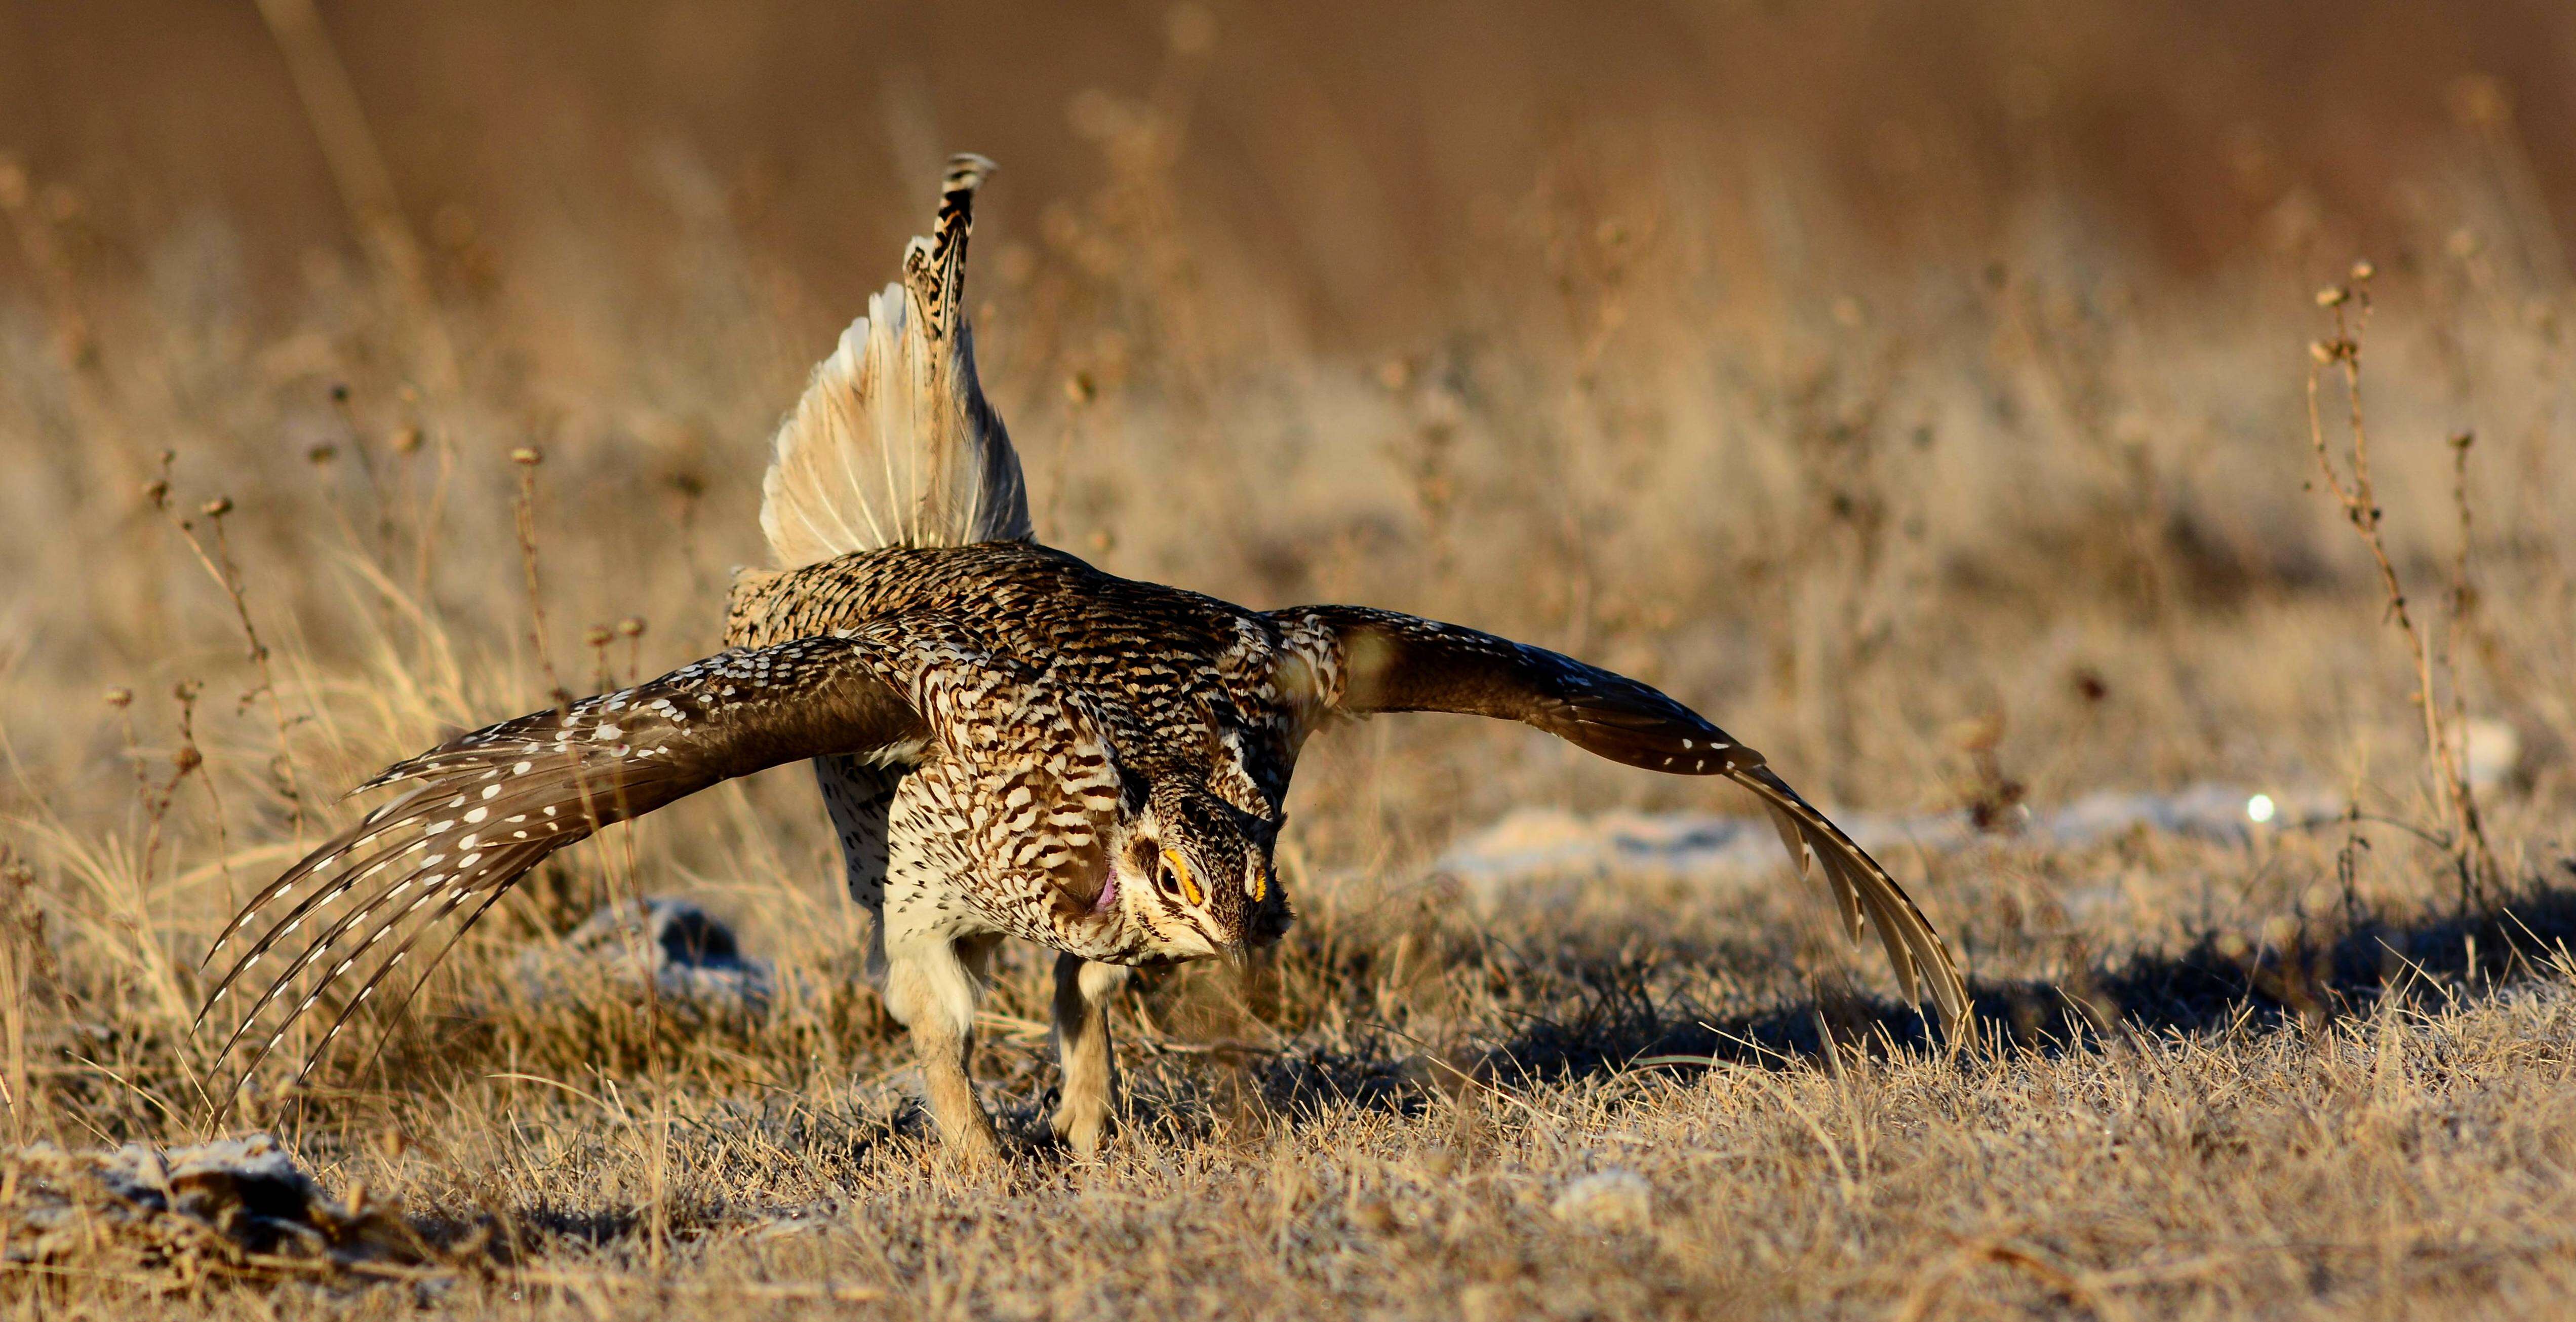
x,y
893,443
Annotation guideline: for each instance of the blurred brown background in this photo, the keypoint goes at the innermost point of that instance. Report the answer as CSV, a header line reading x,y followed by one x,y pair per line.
x,y
1357,149
1897,378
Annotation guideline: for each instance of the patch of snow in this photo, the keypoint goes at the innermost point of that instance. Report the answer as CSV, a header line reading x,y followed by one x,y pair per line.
x,y
1706,849
2493,749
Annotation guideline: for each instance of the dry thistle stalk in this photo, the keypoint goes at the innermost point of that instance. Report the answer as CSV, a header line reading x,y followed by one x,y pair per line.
x,y
527,457
597,638
188,759
632,630
120,700
2350,484
428,515
184,761
220,566
352,440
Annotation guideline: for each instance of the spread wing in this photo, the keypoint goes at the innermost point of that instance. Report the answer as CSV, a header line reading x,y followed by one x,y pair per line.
x,y
1358,661
476,813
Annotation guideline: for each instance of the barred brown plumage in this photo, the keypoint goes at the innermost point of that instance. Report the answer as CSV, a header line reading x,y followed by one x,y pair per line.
x,y
1010,741
482,809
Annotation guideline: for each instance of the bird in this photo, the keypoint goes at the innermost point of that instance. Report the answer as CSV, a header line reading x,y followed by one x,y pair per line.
x,y
1010,741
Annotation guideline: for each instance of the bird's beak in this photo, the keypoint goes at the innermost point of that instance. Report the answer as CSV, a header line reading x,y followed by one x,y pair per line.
x,y
1238,956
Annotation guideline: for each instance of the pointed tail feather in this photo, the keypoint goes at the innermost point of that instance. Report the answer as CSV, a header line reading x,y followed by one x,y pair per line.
x,y
893,443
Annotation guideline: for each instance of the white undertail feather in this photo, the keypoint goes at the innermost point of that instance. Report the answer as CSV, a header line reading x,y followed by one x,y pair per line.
x,y
893,443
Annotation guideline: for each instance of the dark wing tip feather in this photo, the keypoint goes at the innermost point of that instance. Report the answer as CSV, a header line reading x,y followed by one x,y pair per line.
x,y
1360,661
485,807
392,962
1643,729
1922,961
1392,662
447,843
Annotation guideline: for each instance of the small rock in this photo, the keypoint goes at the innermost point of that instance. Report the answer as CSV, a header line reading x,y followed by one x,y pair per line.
x,y
1608,1200
691,957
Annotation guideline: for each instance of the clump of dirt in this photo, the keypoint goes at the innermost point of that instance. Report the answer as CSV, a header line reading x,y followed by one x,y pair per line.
x,y
237,1207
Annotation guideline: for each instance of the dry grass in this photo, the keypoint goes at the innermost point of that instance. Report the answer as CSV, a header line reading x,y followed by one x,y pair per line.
x,y
1999,499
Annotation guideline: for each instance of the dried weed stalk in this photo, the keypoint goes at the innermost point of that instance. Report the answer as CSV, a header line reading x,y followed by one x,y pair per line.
x,y
184,762
27,964
2445,723
220,566
527,458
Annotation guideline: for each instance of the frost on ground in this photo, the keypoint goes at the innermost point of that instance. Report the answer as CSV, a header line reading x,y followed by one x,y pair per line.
x,y
1535,845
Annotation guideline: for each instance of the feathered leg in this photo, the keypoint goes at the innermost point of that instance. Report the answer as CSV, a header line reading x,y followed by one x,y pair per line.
x,y
931,987
1090,1096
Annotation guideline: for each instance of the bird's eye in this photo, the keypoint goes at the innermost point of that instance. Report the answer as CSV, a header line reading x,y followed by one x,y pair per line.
x,y
1174,879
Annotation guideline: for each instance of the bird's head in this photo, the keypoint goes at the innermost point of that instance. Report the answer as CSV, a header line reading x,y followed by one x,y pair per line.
x,y
1196,871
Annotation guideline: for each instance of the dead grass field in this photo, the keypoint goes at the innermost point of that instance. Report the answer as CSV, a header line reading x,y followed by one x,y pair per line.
x,y
1924,398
